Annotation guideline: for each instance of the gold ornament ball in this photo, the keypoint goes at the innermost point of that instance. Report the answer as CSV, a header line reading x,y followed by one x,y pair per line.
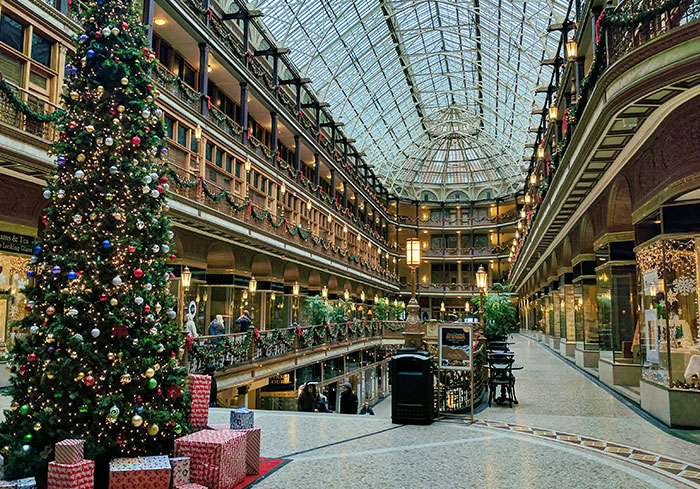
x,y
153,429
115,31
150,373
149,99
121,108
80,376
136,420
92,19
125,81
74,95
100,88
90,128
49,338
157,366
89,291
50,376
5,450
74,354
80,158
14,405
156,93
37,426
110,355
113,302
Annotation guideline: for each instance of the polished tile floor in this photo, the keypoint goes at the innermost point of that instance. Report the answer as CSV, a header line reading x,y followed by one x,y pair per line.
x,y
567,432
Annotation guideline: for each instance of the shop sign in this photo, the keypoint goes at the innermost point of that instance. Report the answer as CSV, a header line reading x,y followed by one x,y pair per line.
x,y
455,347
280,379
16,243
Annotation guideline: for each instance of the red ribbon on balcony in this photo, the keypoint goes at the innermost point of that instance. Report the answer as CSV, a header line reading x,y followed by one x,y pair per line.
x,y
210,13
299,331
250,206
201,183
597,26
208,101
256,333
188,341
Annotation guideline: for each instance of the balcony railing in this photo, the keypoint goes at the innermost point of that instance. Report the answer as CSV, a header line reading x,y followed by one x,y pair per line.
x,y
465,251
13,99
172,83
233,350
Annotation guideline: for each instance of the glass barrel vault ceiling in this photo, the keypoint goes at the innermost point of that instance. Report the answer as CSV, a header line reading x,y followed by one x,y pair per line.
x,y
390,68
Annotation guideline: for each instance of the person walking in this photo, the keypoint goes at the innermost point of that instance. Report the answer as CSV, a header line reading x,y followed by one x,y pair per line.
x,y
216,328
367,409
190,327
306,402
244,322
348,399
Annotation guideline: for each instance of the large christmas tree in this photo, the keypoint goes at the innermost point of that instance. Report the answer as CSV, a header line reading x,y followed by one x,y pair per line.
x,y
99,361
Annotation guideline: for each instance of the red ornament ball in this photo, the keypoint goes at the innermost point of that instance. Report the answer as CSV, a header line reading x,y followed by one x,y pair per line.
x,y
138,273
163,179
112,111
136,140
50,310
117,59
173,257
159,392
138,399
89,380
149,87
147,308
31,357
124,26
27,308
72,124
159,188
103,297
98,34
44,219
132,248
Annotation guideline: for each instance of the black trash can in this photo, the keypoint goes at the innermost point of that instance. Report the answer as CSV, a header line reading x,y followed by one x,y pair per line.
x,y
411,387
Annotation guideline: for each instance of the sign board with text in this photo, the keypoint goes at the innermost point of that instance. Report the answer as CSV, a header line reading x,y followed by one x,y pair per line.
x,y
16,243
455,346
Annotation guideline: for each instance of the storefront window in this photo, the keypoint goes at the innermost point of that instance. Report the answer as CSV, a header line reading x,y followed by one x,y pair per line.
x,y
669,330
13,273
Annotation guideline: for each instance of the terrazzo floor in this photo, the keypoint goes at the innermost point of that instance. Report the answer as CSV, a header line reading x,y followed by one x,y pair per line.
x,y
567,432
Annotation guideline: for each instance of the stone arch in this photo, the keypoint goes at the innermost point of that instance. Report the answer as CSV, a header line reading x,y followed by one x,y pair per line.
x,y
358,290
332,285
260,266
314,280
220,257
619,212
566,253
347,286
291,273
554,265
586,235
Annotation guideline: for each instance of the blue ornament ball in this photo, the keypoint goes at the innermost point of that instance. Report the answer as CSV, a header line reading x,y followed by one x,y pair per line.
x,y
56,270
90,53
83,37
106,244
72,275
37,249
30,273
61,160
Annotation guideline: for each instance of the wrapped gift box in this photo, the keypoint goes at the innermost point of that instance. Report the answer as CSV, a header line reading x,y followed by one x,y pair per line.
x,y
252,451
217,458
8,484
190,485
200,389
218,426
241,419
72,476
141,472
69,452
180,467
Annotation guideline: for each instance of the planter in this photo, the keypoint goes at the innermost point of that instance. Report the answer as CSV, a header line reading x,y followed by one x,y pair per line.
x,y
567,348
678,408
611,373
587,358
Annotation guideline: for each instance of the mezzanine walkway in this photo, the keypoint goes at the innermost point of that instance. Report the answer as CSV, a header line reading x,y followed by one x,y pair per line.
x,y
566,432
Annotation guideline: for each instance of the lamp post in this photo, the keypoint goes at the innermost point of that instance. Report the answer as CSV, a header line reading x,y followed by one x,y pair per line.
x,y
414,330
481,283
252,287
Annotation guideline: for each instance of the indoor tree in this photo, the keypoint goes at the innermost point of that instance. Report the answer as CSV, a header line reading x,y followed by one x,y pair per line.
x,y
99,360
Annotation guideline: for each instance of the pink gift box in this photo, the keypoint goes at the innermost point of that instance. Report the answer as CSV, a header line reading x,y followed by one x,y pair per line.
x,y
217,458
252,451
72,476
200,389
69,452
180,467
141,472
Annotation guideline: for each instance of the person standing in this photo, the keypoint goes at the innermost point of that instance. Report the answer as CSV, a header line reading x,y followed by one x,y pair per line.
x,y
367,409
244,322
190,327
348,399
216,328
306,402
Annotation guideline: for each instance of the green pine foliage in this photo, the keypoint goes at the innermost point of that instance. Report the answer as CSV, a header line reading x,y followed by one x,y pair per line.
x,y
99,360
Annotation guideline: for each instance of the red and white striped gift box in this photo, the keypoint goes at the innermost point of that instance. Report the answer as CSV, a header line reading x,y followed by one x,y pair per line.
x,y
141,472
252,450
72,476
200,389
69,452
190,485
217,458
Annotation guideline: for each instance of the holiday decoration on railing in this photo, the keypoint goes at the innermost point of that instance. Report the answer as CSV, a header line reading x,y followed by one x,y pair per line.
x,y
102,344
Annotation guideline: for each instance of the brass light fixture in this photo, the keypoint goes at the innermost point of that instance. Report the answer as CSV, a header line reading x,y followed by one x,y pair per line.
x,y
571,49
553,112
186,277
540,152
247,164
324,292
481,278
252,285
346,295
198,132
295,289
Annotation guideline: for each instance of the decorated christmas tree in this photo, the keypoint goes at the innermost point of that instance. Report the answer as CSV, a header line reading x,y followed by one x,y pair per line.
x,y
99,361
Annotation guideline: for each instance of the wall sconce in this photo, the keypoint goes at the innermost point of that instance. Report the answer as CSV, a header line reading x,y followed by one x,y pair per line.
x,y
247,164
252,285
553,112
324,292
295,289
571,50
186,277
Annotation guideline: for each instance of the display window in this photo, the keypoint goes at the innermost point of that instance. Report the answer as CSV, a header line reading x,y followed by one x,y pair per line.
x,y
668,325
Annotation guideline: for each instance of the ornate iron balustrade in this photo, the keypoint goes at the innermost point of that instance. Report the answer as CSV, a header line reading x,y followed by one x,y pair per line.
x,y
11,114
232,350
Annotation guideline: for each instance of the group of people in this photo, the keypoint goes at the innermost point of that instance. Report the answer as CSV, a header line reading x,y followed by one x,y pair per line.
x,y
217,327
311,400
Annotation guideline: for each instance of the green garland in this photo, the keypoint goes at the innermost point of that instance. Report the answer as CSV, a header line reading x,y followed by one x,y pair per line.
x,y
23,108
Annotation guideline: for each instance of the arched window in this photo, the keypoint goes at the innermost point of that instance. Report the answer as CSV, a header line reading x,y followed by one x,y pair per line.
x,y
457,197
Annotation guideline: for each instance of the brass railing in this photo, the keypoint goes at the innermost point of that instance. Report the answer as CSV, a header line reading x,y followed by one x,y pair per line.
x,y
232,350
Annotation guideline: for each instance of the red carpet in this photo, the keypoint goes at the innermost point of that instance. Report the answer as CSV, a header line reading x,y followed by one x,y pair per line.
x,y
267,466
